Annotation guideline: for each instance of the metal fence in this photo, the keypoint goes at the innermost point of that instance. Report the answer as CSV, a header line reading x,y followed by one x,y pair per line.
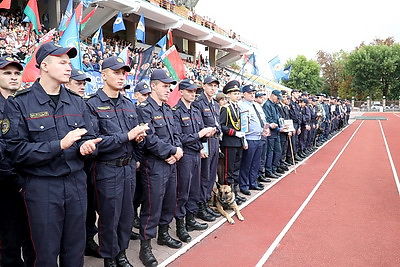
x,y
382,105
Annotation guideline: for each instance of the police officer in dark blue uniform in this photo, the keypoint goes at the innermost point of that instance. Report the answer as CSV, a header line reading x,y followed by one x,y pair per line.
x,y
115,119
14,229
189,123
304,126
47,129
77,83
295,116
162,149
209,109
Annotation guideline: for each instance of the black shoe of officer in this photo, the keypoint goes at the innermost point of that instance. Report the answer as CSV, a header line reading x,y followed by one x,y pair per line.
x,y
238,201
280,170
277,174
146,254
122,260
192,224
92,249
181,231
165,239
134,236
136,222
298,158
263,179
284,167
203,214
110,262
239,197
210,211
271,175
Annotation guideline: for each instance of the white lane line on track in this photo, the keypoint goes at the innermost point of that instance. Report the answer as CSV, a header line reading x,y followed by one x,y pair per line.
x,y
396,178
298,212
214,227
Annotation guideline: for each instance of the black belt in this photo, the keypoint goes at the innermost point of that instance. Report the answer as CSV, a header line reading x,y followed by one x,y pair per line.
x,y
118,162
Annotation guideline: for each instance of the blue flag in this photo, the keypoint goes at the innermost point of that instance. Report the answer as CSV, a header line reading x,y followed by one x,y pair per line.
x,y
141,30
66,16
87,2
98,38
286,73
119,23
276,68
252,60
163,44
70,38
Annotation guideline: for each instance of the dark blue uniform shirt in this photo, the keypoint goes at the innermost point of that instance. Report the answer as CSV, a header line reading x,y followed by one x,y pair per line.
x,y
33,126
188,122
271,115
209,111
113,122
162,138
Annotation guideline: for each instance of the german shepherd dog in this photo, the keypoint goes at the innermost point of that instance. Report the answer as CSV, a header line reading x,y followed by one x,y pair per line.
x,y
223,198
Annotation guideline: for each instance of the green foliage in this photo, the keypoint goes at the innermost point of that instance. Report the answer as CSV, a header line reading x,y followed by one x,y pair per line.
x,y
304,75
375,71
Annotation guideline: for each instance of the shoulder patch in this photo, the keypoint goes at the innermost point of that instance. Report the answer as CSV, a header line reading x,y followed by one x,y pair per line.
x,y
21,92
5,126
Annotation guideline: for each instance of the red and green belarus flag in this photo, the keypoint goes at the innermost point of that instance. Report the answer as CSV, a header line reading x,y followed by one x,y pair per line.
x,y
175,66
31,11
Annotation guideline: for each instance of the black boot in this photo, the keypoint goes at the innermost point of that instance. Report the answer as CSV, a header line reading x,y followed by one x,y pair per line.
x,y
210,211
110,262
92,249
192,224
165,239
181,231
146,254
122,260
203,214
134,236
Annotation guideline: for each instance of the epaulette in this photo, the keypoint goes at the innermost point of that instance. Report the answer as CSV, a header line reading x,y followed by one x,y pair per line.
x,y
72,92
176,107
21,92
143,104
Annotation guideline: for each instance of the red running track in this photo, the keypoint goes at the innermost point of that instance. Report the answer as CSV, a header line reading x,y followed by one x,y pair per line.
x,y
352,220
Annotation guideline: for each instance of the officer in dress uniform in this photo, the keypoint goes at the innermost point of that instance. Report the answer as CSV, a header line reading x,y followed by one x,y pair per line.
x,y
115,119
47,127
304,126
14,229
189,123
232,142
209,109
162,149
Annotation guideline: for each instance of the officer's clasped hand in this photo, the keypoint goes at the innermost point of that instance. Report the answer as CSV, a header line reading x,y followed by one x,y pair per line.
x,y
71,137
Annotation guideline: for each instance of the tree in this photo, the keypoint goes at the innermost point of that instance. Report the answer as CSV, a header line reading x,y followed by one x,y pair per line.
x,y
304,75
375,70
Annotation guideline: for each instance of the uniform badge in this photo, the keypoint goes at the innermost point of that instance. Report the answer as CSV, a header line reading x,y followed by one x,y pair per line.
x,y
167,73
104,108
9,59
120,60
5,126
39,115
185,118
157,117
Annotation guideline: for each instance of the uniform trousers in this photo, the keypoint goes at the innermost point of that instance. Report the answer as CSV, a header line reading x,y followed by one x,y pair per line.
x,y
158,180
209,167
56,209
250,165
114,187
188,183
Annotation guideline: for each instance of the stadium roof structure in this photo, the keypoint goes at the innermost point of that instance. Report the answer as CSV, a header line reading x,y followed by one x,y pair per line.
x,y
162,19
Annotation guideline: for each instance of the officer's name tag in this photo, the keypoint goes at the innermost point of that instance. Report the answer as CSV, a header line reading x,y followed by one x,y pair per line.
x,y
157,118
39,114
207,110
104,108
185,118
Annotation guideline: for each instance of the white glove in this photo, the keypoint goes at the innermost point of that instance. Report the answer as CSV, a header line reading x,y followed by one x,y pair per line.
x,y
239,134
